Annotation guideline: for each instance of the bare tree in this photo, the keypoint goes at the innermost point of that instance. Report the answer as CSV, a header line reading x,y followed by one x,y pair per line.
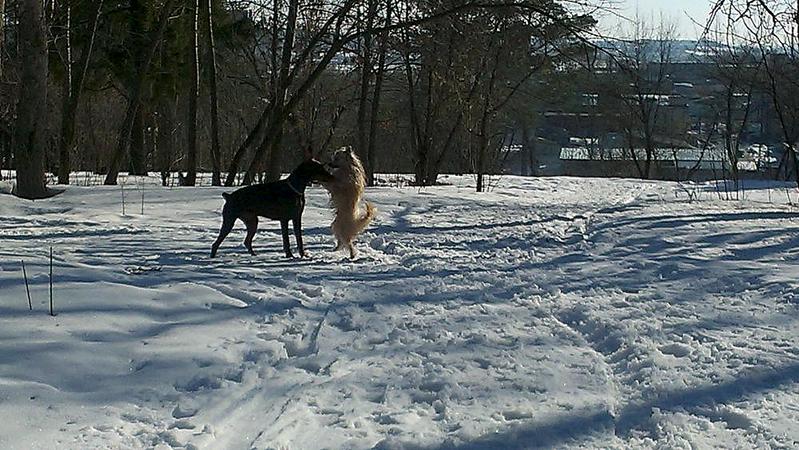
x,y
210,49
268,132
380,73
772,27
165,136
366,57
434,95
271,144
736,68
76,75
641,89
507,70
134,102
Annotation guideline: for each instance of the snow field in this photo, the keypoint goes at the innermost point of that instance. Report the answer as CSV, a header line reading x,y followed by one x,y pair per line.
x,y
551,312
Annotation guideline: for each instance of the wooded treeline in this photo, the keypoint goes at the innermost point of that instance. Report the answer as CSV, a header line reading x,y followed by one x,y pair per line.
x,y
241,88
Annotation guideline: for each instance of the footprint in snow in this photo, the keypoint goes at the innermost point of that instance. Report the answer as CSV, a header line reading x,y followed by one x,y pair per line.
x,y
385,419
312,291
516,414
182,412
234,375
676,349
199,383
182,425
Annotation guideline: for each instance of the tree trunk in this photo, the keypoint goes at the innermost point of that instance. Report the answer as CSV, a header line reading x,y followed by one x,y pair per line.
x,y
249,176
446,147
31,109
194,69
482,149
275,154
2,33
72,100
650,152
792,151
135,98
420,168
165,138
732,156
252,137
138,15
628,133
526,159
138,156
216,178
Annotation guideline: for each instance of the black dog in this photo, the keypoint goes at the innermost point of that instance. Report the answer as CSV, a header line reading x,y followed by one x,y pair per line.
x,y
282,200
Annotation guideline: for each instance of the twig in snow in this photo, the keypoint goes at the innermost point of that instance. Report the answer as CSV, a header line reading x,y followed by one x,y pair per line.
x,y
51,281
122,188
27,287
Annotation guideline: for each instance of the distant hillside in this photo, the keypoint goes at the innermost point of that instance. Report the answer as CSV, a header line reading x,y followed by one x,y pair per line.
x,y
681,51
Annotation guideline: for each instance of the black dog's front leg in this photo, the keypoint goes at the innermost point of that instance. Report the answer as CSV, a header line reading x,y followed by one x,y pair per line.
x,y
298,234
284,227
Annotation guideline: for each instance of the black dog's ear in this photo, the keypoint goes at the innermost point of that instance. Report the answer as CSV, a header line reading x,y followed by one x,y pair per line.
x,y
308,153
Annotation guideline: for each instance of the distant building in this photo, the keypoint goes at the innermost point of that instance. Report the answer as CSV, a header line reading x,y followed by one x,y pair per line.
x,y
667,163
593,133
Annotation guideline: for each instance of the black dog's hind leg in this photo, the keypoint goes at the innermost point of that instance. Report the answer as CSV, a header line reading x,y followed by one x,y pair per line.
x,y
284,227
251,223
298,235
227,225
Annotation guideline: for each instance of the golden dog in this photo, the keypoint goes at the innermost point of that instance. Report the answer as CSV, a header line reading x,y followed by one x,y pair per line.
x,y
346,194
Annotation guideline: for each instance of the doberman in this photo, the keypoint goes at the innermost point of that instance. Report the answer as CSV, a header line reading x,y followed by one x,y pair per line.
x,y
282,200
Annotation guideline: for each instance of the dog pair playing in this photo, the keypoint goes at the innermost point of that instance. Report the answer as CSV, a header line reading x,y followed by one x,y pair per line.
x,y
284,201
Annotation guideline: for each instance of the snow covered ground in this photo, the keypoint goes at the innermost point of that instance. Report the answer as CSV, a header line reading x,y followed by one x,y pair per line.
x,y
551,312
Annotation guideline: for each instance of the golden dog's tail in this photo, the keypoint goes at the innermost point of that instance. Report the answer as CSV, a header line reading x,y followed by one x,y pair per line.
x,y
364,221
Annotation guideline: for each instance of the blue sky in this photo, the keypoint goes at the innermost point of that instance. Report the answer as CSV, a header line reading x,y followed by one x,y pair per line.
x,y
679,11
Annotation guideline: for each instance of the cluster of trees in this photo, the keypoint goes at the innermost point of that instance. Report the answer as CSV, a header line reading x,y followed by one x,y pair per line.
x,y
240,88
770,32
746,62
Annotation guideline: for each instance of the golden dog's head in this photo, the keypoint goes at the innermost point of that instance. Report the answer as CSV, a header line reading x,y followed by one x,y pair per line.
x,y
344,157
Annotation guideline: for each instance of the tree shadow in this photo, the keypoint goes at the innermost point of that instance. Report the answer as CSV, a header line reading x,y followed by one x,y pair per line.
x,y
666,222
675,221
423,229
560,430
